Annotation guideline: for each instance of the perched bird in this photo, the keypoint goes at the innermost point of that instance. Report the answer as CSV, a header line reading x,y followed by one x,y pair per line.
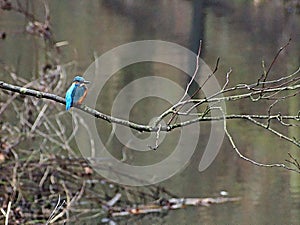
x,y
77,92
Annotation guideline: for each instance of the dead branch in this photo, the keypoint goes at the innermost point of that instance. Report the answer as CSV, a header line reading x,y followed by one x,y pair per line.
x,y
164,205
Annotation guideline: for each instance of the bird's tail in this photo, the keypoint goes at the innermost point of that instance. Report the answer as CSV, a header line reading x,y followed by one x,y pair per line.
x,y
68,105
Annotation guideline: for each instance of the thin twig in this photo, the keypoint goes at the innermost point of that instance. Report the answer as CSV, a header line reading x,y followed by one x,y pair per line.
x,y
6,214
274,60
248,159
156,139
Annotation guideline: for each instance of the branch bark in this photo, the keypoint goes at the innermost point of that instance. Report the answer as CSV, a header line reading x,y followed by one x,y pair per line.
x,y
157,127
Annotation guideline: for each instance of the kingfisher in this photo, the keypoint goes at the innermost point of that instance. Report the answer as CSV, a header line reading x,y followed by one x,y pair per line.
x,y
76,92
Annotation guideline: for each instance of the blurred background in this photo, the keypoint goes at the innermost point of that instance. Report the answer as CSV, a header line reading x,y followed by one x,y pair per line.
x,y
243,33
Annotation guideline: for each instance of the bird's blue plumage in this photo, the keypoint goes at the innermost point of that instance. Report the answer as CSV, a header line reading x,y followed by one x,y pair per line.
x,y
76,92
79,79
69,96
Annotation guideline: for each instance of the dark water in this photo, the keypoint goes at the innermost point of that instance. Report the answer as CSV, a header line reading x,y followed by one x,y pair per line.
x,y
242,34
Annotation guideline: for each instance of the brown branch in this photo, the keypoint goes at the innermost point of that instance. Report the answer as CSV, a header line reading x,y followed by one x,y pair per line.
x,y
169,204
140,127
274,60
266,73
95,113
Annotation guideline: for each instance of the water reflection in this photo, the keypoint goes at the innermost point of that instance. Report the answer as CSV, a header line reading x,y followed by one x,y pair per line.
x,y
242,34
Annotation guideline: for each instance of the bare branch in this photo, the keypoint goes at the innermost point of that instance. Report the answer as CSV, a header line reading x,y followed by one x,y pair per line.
x,y
251,160
274,60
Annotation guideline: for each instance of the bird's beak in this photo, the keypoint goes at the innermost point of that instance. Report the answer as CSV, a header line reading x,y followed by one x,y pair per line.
x,y
86,82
